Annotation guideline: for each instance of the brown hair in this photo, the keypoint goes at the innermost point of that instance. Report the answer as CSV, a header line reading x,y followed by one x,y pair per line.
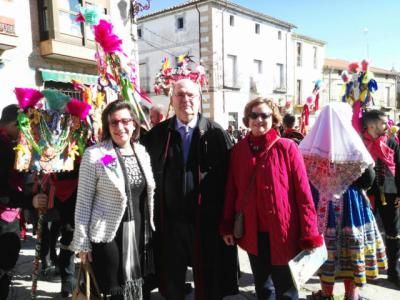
x,y
276,116
113,107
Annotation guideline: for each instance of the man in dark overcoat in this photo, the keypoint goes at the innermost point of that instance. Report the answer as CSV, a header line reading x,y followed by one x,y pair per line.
x,y
189,155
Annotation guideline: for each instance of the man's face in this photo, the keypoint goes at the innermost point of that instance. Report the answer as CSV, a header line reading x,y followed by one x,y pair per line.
x,y
379,128
155,117
12,129
186,100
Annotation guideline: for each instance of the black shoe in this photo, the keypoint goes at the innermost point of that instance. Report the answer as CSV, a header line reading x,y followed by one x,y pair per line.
x,y
395,280
66,289
188,288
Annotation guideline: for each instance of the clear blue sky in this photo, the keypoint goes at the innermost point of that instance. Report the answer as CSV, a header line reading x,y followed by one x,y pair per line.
x,y
347,26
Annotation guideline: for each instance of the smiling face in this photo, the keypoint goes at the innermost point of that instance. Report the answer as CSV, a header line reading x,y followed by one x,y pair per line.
x,y
121,126
260,119
186,100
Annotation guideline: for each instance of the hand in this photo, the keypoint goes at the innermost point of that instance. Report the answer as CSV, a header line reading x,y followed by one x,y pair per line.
x,y
39,201
229,240
397,202
85,256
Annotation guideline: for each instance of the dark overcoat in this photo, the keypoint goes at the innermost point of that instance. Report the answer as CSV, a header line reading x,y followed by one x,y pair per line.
x,y
215,264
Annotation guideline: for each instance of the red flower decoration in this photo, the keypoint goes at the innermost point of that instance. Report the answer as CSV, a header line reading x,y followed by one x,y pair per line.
x,y
109,41
78,108
27,97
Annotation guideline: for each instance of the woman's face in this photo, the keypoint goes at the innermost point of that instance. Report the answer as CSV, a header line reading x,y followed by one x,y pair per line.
x,y
121,126
260,119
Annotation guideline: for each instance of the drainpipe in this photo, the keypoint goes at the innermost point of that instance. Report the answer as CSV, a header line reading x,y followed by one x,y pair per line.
x,y
223,58
201,94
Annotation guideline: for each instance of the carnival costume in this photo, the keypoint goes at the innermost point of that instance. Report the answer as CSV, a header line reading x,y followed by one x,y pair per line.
x,y
340,168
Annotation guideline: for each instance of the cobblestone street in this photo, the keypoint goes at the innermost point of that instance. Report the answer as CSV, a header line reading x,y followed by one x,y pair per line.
x,y
20,290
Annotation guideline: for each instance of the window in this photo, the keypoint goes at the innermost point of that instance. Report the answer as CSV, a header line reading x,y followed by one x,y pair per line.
x,y
387,96
298,92
315,57
279,77
257,28
66,88
139,33
57,21
257,66
279,35
232,20
298,54
233,119
144,77
180,23
230,79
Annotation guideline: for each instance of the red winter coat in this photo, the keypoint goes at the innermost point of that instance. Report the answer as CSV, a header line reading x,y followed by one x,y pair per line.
x,y
290,208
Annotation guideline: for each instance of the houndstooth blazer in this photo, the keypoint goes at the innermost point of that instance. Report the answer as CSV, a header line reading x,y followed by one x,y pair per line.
x,y
101,199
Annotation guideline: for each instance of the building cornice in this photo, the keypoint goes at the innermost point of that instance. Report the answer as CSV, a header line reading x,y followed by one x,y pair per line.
x,y
301,37
226,4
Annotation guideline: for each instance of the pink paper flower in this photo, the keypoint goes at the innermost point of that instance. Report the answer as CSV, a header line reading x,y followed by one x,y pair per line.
x,y
108,160
109,41
27,97
78,108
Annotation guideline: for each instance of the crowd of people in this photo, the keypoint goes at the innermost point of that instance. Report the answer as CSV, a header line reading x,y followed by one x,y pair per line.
x,y
145,206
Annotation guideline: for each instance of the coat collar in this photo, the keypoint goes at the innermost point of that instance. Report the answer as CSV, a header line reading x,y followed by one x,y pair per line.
x,y
202,123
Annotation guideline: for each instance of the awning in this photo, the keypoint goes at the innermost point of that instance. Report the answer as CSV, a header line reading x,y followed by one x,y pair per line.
x,y
61,76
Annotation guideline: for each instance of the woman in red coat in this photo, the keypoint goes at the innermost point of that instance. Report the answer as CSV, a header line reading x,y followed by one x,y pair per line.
x,y
267,181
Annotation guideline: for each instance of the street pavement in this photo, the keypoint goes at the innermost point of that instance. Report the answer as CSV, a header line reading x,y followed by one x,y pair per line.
x,y
50,289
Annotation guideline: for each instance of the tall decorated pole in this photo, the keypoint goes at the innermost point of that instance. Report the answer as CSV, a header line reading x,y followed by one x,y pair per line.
x,y
117,61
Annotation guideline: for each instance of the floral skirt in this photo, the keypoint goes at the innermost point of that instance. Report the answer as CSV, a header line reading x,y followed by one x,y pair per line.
x,y
355,247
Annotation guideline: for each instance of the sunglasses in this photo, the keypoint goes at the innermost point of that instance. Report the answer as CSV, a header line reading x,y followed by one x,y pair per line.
x,y
125,122
253,115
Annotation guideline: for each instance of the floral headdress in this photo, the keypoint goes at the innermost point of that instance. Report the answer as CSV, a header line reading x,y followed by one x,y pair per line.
x,y
185,68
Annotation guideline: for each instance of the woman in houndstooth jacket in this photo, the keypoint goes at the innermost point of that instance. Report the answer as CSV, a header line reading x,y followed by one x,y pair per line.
x,y
114,209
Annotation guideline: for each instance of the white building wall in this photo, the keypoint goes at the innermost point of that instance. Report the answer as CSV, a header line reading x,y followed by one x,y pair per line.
x,y
307,73
161,38
240,40
15,70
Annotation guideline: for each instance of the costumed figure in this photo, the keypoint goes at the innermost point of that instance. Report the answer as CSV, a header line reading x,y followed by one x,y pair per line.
x,y
340,168
53,132
312,104
358,89
386,188
13,197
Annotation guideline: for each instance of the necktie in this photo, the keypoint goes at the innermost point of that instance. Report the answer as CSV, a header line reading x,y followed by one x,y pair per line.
x,y
185,134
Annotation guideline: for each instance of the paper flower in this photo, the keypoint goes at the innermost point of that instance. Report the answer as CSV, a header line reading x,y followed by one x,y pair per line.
x,y
55,99
107,160
78,108
109,41
353,67
88,14
27,97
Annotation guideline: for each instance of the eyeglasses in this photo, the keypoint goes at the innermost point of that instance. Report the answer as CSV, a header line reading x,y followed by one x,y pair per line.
x,y
125,122
183,95
253,115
